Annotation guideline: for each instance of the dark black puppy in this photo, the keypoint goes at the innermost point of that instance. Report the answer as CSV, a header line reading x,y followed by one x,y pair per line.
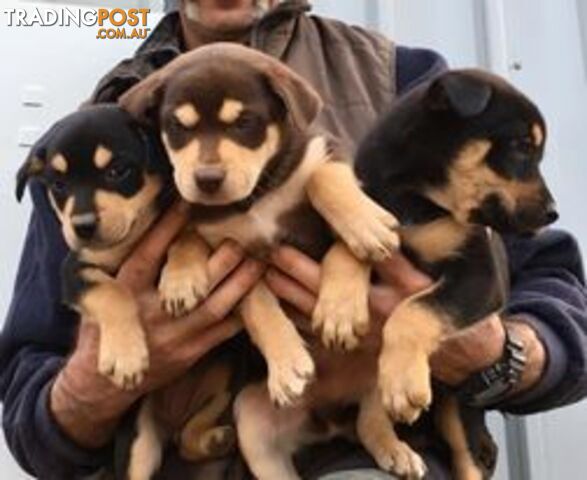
x,y
456,161
105,178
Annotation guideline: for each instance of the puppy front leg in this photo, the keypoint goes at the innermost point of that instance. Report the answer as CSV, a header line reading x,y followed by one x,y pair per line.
x,y
410,336
290,365
184,279
123,355
365,227
342,310
378,436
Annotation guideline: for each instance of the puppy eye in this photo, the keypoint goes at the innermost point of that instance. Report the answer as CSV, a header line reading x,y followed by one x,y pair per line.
x,y
246,123
523,145
117,172
174,126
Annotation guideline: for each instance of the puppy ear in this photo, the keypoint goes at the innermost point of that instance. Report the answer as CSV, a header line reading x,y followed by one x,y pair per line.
x,y
461,92
142,101
302,102
33,166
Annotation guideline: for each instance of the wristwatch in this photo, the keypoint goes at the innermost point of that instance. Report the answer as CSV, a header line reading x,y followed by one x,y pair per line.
x,y
492,384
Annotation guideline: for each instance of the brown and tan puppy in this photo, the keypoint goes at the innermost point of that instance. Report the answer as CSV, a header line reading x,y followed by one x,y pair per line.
x,y
236,126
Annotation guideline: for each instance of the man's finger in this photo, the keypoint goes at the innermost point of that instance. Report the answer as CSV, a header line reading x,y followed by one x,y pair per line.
x,y
144,263
226,296
223,261
299,266
210,338
399,272
294,293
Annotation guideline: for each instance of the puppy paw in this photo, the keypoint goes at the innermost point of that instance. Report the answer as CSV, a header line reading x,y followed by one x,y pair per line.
x,y
124,358
398,458
290,372
371,233
404,383
182,288
342,316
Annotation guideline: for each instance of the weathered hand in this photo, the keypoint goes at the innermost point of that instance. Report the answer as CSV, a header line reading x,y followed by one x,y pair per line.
x,y
295,278
481,345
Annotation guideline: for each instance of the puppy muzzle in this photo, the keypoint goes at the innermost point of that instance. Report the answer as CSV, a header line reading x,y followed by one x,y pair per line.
x,y
85,225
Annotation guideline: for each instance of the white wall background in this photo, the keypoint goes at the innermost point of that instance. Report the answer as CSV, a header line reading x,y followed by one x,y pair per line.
x,y
540,44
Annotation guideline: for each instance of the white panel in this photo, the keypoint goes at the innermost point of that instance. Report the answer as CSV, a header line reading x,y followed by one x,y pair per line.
x,y
447,27
545,41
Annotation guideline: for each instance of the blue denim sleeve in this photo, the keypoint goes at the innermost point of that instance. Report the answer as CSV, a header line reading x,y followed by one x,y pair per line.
x,y
38,334
548,292
416,65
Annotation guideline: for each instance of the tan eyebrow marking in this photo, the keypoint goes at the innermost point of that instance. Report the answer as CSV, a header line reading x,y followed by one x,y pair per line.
x,y
230,110
538,134
59,163
102,156
187,115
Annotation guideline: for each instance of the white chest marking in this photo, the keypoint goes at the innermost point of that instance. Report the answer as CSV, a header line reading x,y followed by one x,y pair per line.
x,y
260,224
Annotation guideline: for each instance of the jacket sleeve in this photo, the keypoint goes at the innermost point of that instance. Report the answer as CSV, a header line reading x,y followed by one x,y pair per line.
x,y
414,66
36,337
548,292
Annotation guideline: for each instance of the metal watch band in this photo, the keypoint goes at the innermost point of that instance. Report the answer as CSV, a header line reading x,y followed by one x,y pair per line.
x,y
492,384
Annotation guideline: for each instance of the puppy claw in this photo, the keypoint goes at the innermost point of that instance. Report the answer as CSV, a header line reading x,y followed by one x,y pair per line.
x,y
289,375
343,318
373,236
404,382
400,460
182,289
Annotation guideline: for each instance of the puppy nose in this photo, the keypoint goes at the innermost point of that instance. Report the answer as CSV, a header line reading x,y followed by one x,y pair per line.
x,y
209,179
551,213
85,225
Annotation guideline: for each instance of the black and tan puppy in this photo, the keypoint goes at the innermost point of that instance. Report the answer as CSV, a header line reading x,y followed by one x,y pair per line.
x,y
457,161
105,178
236,126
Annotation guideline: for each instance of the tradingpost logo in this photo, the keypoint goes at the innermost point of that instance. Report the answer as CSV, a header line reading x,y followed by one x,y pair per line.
x,y
113,24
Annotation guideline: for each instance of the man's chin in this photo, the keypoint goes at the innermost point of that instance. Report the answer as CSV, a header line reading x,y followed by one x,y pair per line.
x,y
227,20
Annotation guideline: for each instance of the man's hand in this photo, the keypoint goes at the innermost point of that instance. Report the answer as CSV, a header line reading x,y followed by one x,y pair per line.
x,y
85,404
295,278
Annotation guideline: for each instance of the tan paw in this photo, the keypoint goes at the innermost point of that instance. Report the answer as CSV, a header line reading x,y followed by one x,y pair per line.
x,y
342,316
372,233
290,372
124,358
183,288
404,383
398,458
